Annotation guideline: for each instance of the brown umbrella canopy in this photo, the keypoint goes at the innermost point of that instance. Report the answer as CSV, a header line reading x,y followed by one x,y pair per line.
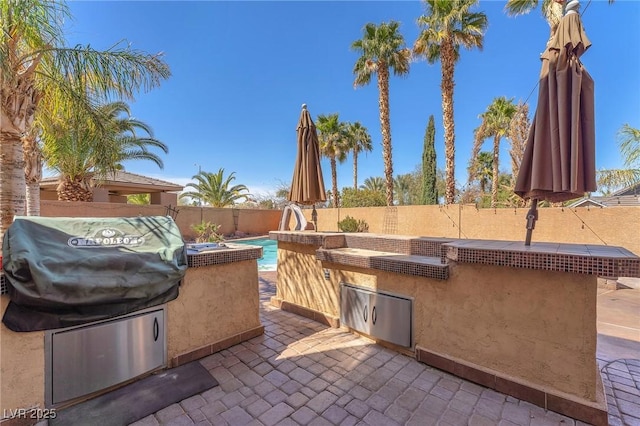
x,y
559,158
307,185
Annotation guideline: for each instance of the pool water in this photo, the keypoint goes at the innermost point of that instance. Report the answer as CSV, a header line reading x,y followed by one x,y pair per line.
x,y
269,259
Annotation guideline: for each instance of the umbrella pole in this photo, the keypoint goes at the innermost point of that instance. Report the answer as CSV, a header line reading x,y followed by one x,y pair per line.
x,y
532,216
314,218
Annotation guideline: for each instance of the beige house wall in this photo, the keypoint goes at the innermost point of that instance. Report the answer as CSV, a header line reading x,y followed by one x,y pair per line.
x,y
616,226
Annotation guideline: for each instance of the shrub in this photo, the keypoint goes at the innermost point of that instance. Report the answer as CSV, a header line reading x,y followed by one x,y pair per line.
x,y
207,232
349,224
362,198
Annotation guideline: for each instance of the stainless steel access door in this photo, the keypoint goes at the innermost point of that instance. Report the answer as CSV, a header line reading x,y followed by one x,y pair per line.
x,y
381,315
391,319
354,308
90,358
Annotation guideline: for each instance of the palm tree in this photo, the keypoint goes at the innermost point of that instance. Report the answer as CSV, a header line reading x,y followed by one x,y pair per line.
x,y
35,63
496,123
374,184
382,48
552,10
629,143
333,145
358,140
139,199
518,133
213,189
481,169
447,25
84,154
402,185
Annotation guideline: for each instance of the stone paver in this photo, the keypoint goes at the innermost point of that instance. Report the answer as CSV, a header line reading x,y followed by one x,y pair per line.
x,y
303,373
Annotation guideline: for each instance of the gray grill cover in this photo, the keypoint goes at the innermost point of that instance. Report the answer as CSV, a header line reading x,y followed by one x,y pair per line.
x,y
68,271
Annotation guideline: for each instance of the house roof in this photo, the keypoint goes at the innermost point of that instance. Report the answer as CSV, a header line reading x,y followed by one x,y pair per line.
x,y
123,183
631,190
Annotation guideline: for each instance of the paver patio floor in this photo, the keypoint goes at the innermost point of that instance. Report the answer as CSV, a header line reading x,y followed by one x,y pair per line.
x,y
301,372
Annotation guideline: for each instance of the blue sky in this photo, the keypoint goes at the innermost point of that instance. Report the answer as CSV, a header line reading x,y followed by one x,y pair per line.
x,y
241,71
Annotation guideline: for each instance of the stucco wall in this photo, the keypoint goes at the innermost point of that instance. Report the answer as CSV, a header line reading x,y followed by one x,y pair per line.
x,y
301,279
21,367
249,221
537,328
215,302
617,226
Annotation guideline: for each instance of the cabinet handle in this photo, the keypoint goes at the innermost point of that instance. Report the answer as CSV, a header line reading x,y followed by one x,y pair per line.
x,y
156,329
364,313
373,315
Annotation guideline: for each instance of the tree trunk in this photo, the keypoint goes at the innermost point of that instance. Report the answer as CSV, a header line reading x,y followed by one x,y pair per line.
x,y
385,125
77,189
32,171
494,184
12,182
334,181
355,169
447,60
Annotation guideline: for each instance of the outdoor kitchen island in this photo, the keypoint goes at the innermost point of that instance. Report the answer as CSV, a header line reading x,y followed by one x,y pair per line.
x,y
520,320
217,307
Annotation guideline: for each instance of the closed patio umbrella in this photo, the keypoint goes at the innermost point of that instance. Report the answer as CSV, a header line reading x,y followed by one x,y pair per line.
x,y
559,158
307,184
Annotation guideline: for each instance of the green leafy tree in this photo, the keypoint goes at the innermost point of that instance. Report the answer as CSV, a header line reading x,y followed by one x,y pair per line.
x,y
35,64
374,184
429,193
496,123
403,186
358,140
214,190
333,145
447,25
362,198
84,154
382,48
629,143
139,199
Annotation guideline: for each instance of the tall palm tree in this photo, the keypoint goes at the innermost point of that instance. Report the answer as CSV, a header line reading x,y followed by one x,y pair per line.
x,y
84,154
447,25
374,184
496,123
332,137
518,133
382,48
213,189
34,63
358,140
629,143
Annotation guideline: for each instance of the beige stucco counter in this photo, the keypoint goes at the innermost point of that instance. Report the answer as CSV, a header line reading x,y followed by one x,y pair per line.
x,y
521,320
217,307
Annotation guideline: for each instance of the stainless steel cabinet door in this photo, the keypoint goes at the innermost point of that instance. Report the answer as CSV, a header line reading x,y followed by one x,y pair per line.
x,y
355,308
391,319
94,357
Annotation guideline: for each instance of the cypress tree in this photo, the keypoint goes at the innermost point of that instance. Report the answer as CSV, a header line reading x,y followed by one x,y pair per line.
x,y
429,191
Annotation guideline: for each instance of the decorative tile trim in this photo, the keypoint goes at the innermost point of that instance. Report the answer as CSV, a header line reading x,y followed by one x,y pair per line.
x,y
604,261
3,284
379,243
391,262
212,348
309,238
234,253
590,413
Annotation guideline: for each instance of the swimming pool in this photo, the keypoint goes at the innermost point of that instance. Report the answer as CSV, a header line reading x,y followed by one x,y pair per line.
x,y
269,259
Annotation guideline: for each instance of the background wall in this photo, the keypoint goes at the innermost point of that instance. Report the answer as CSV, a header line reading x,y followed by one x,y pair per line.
x,y
616,226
